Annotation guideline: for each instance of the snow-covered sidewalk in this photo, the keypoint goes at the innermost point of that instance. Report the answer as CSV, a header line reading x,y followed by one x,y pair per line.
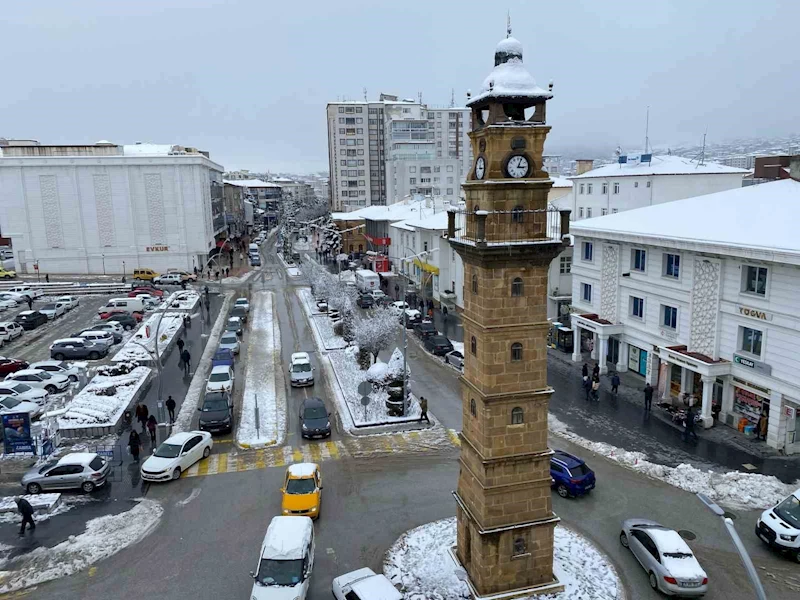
x,y
241,278
320,323
171,324
420,563
261,395
183,300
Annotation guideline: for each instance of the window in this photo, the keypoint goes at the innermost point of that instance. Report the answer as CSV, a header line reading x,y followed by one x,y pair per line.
x,y
517,287
516,351
638,259
424,169
588,251
603,212
750,340
425,246
586,292
472,408
616,188
412,169
565,266
343,163
669,316
588,188
672,265
437,169
582,188
449,191
517,214
517,416
648,184
635,184
755,280
580,212
473,345
637,307
449,180
358,109
519,545
341,109
474,284
614,211
588,212
449,168
412,180
605,188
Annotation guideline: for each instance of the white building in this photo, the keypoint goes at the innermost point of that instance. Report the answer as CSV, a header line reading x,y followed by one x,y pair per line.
x,y
105,208
700,297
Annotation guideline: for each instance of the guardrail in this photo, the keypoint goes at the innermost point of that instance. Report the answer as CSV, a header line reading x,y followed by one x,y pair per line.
x,y
75,288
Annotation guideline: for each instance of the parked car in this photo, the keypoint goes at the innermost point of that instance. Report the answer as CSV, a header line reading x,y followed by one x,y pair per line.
x,y
238,311
26,290
216,412
124,319
398,307
112,327
9,297
9,404
77,348
229,341
377,295
412,317
125,304
255,261
224,357
455,358
31,319
9,330
78,470
365,301
301,373
69,370
425,329
144,274
148,302
107,315
234,324
11,365
22,391
7,274
779,526
364,584
6,304
570,475
98,337
53,310
438,345
52,383
242,303
666,558
145,289
176,454
168,279
220,379
184,275
302,491
69,302
314,418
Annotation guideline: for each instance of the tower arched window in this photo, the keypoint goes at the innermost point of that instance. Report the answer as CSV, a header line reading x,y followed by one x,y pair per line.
x,y
520,547
516,351
473,345
473,409
517,287
474,283
517,214
517,416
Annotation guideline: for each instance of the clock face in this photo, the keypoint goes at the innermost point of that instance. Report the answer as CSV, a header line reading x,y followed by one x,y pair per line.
x,y
517,166
480,167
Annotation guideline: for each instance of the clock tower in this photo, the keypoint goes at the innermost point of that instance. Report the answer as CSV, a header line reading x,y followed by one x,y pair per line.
x,y
507,237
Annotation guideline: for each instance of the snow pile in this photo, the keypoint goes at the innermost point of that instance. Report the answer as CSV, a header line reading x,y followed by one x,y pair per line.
x,y
241,279
378,372
420,563
171,324
183,300
293,272
263,361
104,537
39,502
93,407
732,489
511,78
458,347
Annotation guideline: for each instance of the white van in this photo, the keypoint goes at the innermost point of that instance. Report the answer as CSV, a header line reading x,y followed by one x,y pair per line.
x,y
779,526
252,249
367,280
285,561
129,305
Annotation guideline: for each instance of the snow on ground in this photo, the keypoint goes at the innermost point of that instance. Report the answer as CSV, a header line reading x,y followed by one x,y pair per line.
x,y
293,272
171,324
242,278
733,489
65,504
91,408
320,322
420,563
40,502
182,300
104,537
263,362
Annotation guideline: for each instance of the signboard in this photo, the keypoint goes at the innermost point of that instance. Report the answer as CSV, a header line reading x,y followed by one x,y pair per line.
x,y
156,248
633,359
754,313
378,241
670,335
17,433
756,365
789,412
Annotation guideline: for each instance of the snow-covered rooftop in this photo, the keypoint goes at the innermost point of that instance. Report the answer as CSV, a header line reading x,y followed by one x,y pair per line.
x,y
251,183
287,538
346,216
283,180
509,45
134,149
660,165
759,217
399,211
436,221
302,470
561,182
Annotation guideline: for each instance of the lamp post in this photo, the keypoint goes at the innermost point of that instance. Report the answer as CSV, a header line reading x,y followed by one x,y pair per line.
x,y
103,257
123,270
157,359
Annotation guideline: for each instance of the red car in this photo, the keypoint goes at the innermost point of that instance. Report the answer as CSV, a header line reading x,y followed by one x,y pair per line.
x,y
135,315
11,365
145,289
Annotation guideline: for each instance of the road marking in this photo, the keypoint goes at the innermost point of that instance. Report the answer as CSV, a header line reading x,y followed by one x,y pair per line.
x,y
332,450
316,454
260,462
453,435
222,465
297,455
92,571
414,435
203,467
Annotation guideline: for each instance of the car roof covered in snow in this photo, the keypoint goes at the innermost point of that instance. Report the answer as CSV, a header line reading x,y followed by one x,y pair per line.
x,y
31,371
377,587
69,340
302,470
300,357
77,458
220,369
668,540
238,300
287,538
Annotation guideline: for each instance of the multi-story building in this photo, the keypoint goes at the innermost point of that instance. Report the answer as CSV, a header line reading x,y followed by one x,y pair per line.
x,y
699,297
376,150
108,208
741,161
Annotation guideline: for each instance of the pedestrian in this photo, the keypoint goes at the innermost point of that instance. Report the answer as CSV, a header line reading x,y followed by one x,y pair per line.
x,y
134,443
648,396
47,278
689,425
423,407
29,300
585,370
444,313
171,409
227,271
615,383
396,292
180,344
587,387
763,425
596,388
142,414
26,510
205,289
183,284
187,321
187,359
208,274
216,274
195,271
596,370
151,428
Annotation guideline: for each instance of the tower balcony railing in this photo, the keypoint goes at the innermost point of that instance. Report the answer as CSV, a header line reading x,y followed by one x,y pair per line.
x,y
508,227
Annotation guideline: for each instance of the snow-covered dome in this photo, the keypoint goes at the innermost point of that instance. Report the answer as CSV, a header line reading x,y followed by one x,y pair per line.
x,y
103,143
507,48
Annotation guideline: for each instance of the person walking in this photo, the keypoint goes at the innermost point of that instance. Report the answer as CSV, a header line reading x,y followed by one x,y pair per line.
x,y
141,415
171,408
689,425
596,370
26,510
151,428
763,426
180,343
596,388
615,383
47,278
423,406
585,370
444,313
587,386
648,397
29,300
187,359
134,443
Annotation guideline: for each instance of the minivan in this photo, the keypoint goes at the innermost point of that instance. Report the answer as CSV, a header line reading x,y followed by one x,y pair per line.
x,y
144,274
129,305
779,526
285,561
252,249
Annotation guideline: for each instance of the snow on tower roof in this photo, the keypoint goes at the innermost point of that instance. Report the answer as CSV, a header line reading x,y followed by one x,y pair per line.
x,y
509,45
509,80
659,165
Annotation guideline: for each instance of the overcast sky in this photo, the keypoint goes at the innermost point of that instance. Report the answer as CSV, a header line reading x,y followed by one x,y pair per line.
x,y
248,80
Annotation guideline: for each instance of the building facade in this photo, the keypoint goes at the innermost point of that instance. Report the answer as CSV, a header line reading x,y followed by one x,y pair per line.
x,y
106,208
699,298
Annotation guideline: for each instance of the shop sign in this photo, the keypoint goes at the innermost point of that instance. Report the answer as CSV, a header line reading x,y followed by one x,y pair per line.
x,y
754,313
670,335
756,365
633,358
156,248
378,241
789,412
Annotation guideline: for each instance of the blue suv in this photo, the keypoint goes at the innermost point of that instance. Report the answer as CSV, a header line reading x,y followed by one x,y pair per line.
x,y
571,476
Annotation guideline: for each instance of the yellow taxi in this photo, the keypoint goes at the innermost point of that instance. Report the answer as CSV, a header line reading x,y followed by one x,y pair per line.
x,y
302,490
7,274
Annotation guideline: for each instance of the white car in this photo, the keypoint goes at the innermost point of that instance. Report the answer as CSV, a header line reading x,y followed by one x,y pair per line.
x,y
52,383
242,303
364,584
301,372
9,404
69,301
220,379
176,454
230,341
98,337
398,307
26,291
9,331
9,297
149,301
53,310
58,367
168,279
6,304
22,391
779,526
377,294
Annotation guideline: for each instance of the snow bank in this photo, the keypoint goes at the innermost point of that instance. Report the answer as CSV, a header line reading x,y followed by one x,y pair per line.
x,y
293,272
171,324
39,502
92,408
732,489
104,537
263,362
320,323
184,300
420,563
241,279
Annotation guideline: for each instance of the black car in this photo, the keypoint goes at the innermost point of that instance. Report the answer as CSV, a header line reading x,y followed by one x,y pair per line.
x,y
124,319
365,301
30,319
438,345
216,413
425,330
241,312
314,419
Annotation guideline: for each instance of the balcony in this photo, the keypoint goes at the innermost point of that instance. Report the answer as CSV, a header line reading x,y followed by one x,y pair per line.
x,y
504,228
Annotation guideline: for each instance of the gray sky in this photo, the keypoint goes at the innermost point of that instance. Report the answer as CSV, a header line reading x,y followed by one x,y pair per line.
x,y
248,80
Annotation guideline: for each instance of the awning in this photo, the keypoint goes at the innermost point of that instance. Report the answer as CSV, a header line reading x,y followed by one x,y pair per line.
x,y
221,243
426,267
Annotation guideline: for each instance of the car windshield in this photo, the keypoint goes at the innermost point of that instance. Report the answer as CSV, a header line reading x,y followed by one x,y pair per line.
x,y
48,307
229,339
166,450
315,412
579,470
44,375
20,388
219,377
214,404
301,368
301,486
280,572
789,511
10,402
47,466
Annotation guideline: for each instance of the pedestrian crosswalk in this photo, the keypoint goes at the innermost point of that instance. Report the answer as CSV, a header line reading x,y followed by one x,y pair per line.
x,y
351,447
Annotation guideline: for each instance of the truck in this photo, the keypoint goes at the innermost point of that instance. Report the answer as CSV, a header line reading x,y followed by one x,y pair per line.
x,y
26,290
367,281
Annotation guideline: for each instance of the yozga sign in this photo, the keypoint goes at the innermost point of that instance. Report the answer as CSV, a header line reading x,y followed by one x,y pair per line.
x,y
754,313
752,364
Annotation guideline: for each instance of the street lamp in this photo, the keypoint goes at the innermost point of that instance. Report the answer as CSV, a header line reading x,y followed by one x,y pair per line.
x,y
737,542
157,360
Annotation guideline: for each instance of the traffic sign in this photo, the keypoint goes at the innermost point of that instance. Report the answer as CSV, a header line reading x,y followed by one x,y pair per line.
x,y
365,401
365,388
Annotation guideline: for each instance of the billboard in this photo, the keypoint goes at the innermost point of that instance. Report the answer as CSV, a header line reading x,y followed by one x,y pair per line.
x,y
17,433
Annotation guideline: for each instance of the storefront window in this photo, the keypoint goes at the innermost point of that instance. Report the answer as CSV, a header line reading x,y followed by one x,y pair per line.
x,y
748,404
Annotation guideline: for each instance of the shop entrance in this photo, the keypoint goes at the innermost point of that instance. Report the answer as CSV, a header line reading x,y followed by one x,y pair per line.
x,y
612,355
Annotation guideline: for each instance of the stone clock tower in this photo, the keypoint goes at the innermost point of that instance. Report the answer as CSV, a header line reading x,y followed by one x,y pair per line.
x,y
506,237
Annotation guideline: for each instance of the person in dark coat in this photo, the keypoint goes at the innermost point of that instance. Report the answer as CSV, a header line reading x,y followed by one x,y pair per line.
x,y
648,397
423,406
615,383
595,388
585,370
587,386
47,278
596,370
187,360
141,415
180,343
29,300
151,428
134,443
171,408
26,510
689,425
